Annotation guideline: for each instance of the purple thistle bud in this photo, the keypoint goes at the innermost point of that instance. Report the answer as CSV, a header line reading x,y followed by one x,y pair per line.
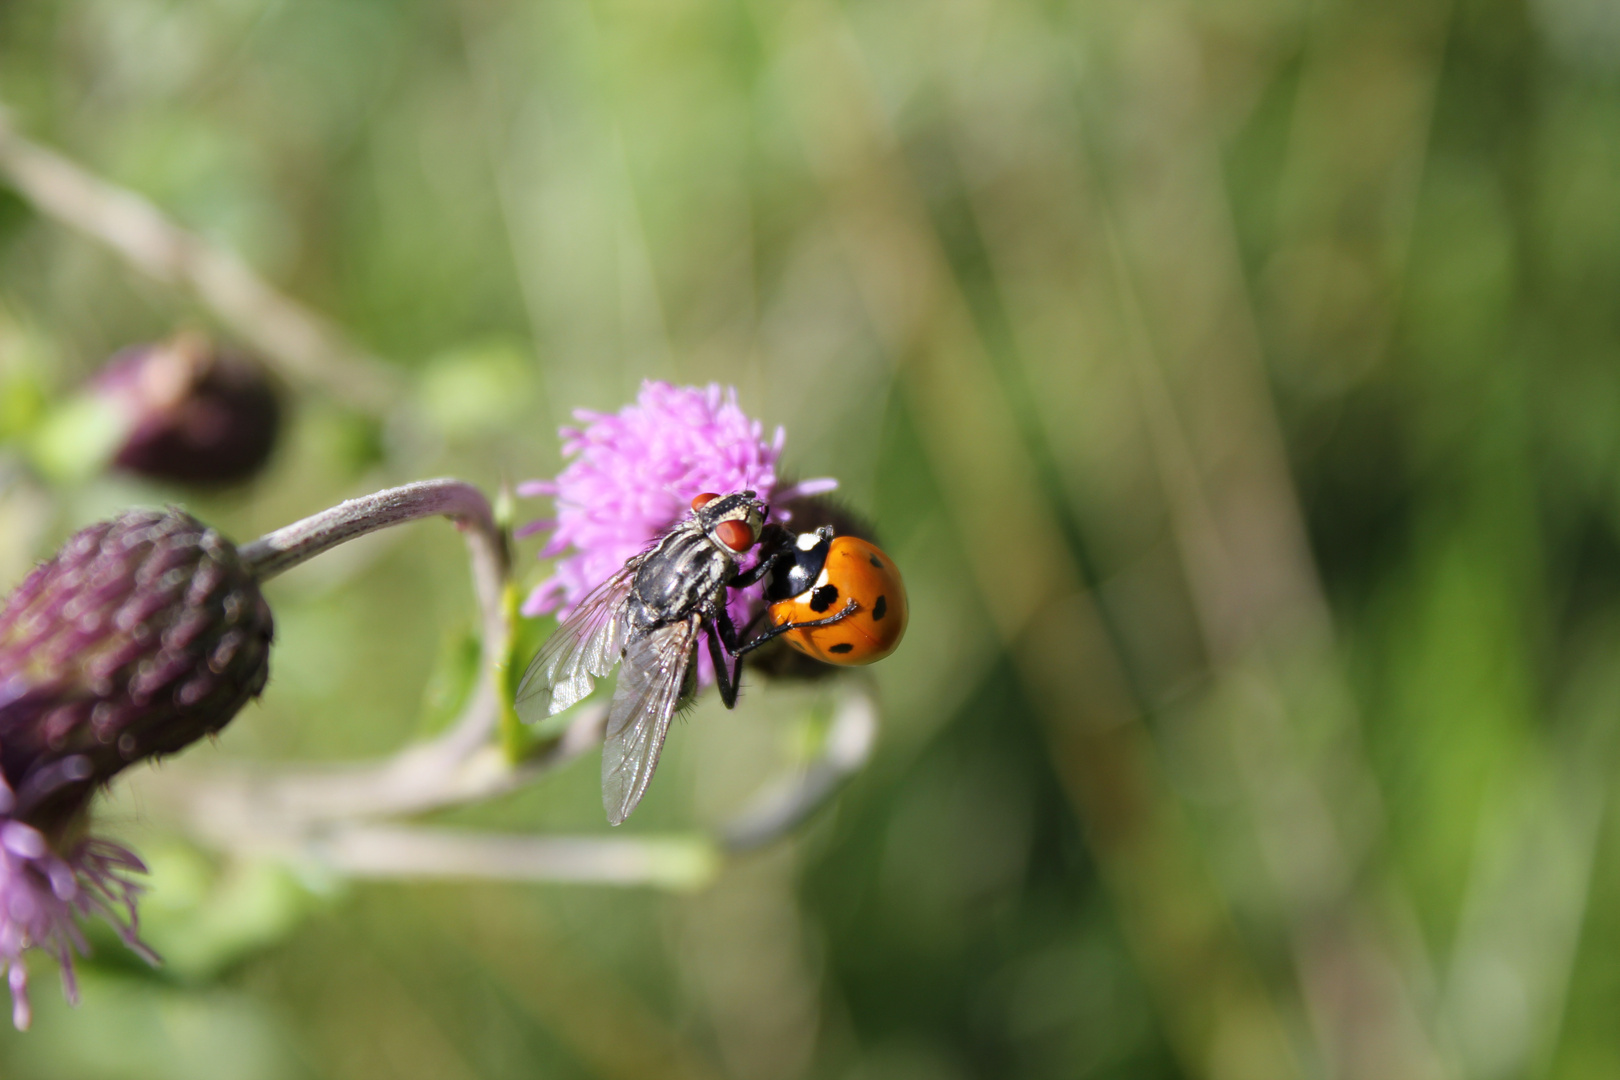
x,y
139,636
196,414
633,475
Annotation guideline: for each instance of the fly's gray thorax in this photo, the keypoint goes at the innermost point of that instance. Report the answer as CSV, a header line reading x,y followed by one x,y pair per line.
x,y
683,574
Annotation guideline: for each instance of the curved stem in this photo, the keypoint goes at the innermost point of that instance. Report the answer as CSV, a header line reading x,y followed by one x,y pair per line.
x,y
337,817
674,861
784,804
285,548
242,807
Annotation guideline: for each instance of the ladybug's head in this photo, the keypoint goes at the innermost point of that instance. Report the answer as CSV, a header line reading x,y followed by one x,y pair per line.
x,y
799,565
732,521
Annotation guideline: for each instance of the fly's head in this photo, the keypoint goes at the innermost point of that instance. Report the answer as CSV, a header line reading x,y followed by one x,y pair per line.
x,y
731,522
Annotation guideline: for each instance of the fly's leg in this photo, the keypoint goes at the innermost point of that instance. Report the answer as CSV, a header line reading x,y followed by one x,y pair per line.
x,y
727,672
727,649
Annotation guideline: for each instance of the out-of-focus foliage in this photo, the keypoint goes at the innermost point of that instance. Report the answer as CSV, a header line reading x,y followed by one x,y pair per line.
x,y
1236,381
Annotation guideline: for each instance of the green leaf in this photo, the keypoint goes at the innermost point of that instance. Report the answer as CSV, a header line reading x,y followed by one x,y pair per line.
x,y
519,739
78,438
451,682
202,915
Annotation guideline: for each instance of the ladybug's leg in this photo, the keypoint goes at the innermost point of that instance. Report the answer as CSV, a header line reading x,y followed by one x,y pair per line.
x,y
746,578
774,541
838,616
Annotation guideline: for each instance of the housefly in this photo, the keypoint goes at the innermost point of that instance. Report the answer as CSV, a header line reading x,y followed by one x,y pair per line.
x,y
650,615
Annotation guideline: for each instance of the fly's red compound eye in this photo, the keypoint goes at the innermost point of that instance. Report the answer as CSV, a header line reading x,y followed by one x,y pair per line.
x,y
704,500
735,535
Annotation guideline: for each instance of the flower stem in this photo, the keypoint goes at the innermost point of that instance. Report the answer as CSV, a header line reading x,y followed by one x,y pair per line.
x,y
682,861
275,552
487,548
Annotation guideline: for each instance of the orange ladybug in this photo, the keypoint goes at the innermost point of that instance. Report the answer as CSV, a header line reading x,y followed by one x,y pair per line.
x,y
817,578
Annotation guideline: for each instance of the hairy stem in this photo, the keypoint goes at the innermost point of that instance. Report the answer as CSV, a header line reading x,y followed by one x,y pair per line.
x,y
285,548
335,816
487,550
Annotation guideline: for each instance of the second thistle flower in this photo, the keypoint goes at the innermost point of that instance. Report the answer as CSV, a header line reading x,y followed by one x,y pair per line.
x,y
194,413
141,635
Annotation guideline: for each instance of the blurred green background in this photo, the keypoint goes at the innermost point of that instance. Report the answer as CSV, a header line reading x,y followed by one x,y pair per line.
x,y
1235,380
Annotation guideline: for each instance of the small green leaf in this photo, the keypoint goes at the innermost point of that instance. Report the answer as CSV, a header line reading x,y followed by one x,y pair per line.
x,y
451,682
518,739
23,404
202,915
78,438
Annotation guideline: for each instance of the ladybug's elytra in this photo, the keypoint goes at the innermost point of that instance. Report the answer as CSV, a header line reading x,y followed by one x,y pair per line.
x,y
820,574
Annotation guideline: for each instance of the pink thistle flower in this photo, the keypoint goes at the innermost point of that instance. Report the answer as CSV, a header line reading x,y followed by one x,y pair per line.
x,y
633,474
141,635
43,893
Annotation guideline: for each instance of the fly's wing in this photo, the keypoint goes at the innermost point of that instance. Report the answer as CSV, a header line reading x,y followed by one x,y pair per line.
x,y
583,649
650,685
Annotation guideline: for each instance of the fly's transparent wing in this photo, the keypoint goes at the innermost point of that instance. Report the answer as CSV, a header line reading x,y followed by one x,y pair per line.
x,y
650,685
583,649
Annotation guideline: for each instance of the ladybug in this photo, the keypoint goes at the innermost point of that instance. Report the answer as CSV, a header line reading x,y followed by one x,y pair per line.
x,y
818,574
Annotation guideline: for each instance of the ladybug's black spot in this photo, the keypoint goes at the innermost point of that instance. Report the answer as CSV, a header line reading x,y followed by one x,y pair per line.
x,y
823,598
841,647
875,561
880,609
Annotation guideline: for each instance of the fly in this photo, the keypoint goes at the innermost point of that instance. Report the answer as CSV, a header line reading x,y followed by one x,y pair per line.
x,y
651,615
